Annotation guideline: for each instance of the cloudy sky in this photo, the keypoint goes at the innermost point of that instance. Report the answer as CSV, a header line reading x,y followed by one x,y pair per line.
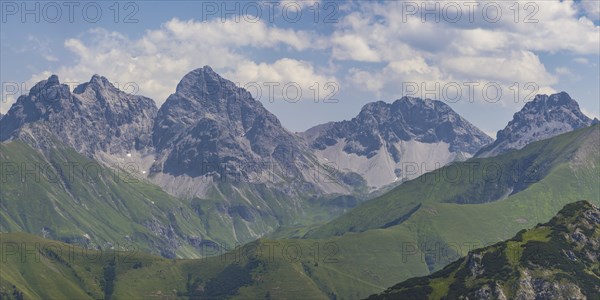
x,y
310,62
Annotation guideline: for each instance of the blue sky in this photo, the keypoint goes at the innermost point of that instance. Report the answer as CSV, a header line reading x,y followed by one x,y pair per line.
x,y
352,53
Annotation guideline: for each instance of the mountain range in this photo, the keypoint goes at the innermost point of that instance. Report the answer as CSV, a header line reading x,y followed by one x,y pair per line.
x,y
212,169
95,118
216,147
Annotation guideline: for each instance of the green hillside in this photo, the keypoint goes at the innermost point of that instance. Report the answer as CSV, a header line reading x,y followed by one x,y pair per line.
x,y
555,260
483,180
65,196
439,232
356,264
60,194
36,268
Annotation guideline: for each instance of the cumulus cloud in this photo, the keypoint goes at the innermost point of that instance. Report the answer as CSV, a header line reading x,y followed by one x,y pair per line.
x,y
156,61
375,47
480,48
286,79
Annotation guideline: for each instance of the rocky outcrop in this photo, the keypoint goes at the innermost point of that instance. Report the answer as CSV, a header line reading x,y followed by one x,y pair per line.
x,y
555,260
542,118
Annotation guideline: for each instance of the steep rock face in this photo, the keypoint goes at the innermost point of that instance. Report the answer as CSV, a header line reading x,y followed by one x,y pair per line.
x,y
209,122
556,260
543,117
95,117
214,141
210,128
384,139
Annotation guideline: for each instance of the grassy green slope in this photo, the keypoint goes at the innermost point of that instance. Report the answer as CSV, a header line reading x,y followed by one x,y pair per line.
x,y
55,270
66,196
360,263
70,198
480,181
439,232
349,267
555,259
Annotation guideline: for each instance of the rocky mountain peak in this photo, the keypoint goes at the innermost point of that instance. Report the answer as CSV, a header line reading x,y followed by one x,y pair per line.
x,y
45,98
97,83
49,89
405,119
373,107
51,81
543,117
390,135
95,117
552,105
205,84
210,119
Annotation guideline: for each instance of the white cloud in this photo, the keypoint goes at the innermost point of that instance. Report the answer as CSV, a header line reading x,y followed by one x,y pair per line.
x,y
295,80
299,3
466,51
50,58
353,47
516,66
370,34
564,71
157,60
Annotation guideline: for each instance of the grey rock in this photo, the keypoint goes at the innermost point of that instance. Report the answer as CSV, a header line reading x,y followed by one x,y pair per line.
x,y
409,130
211,127
95,117
408,118
542,118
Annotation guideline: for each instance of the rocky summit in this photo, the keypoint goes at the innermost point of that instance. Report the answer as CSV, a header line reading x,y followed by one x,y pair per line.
x,y
95,118
210,130
209,123
388,142
543,117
